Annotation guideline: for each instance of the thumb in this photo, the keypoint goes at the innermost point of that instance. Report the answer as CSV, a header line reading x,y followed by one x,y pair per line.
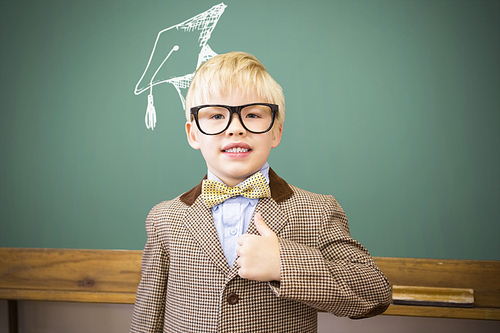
x,y
261,226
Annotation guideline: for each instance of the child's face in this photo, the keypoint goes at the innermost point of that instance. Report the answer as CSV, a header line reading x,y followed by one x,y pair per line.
x,y
232,167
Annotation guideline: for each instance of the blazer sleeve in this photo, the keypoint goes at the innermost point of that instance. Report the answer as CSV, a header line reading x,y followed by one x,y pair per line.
x,y
338,276
149,309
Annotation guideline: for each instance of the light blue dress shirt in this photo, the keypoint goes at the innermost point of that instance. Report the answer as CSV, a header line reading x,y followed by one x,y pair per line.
x,y
232,218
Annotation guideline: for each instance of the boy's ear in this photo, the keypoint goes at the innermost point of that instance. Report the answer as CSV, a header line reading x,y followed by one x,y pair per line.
x,y
277,136
192,135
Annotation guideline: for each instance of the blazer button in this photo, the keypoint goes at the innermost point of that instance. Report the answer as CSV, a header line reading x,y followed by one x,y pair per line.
x,y
232,298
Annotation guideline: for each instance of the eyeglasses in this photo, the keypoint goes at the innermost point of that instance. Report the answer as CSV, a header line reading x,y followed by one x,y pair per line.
x,y
213,119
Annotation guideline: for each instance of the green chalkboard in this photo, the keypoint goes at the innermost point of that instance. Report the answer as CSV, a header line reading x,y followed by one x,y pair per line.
x,y
392,106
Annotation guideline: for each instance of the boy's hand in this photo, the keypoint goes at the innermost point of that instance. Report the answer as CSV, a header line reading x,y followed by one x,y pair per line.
x,y
259,256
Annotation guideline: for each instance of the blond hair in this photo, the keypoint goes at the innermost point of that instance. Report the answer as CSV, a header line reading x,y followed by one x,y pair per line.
x,y
234,71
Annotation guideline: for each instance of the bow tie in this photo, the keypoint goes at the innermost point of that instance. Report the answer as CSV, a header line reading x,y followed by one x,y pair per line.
x,y
215,193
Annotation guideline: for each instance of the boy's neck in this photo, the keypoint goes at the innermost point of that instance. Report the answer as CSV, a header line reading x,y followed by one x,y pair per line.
x,y
264,170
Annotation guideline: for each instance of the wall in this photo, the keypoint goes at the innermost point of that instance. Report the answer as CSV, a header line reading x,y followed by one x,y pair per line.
x,y
392,106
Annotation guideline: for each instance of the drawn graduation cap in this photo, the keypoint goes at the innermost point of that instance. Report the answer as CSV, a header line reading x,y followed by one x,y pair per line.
x,y
188,38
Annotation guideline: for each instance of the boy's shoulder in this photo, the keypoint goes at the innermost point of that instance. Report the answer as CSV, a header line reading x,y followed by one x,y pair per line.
x,y
292,200
308,195
168,208
311,199
281,192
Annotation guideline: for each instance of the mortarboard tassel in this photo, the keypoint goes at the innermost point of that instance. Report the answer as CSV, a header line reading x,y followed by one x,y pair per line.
x,y
150,111
150,118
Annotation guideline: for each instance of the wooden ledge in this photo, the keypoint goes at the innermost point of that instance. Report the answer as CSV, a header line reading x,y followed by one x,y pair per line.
x,y
112,276
68,296
443,312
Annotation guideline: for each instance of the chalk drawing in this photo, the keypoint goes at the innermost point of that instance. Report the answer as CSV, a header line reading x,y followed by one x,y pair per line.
x,y
203,23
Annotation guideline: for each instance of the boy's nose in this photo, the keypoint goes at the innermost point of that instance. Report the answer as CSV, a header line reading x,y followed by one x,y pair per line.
x,y
235,127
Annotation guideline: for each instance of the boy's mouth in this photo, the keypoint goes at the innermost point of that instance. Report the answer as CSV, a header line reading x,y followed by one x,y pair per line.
x,y
236,150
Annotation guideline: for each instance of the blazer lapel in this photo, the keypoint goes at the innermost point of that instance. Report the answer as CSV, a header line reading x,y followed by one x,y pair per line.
x,y
274,218
200,223
272,215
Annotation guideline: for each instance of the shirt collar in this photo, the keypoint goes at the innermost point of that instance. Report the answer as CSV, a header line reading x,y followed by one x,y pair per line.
x,y
280,190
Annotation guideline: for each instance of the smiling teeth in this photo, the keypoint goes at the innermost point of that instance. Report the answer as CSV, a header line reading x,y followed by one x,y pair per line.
x,y
237,150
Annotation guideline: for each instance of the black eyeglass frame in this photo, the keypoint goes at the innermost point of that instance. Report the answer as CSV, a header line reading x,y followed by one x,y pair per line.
x,y
232,110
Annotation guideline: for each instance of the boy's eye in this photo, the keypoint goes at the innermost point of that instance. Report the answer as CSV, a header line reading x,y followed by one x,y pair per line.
x,y
217,117
212,113
255,112
252,116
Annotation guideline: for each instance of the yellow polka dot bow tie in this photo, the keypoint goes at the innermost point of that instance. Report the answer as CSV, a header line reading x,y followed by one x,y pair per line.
x,y
254,187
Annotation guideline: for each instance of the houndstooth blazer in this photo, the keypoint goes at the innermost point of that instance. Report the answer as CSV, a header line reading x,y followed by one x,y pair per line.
x,y
188,286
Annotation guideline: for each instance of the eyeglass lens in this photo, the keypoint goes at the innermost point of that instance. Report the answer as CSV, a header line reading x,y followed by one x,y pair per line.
x,y
256,118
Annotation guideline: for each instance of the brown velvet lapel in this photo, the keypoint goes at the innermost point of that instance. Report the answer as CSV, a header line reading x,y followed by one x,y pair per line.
x,y
280,191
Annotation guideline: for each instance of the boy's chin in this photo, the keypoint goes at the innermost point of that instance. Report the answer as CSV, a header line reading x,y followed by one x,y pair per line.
x,y
236,177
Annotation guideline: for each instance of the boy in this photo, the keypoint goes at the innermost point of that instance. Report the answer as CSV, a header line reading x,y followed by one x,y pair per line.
x,y
263,257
